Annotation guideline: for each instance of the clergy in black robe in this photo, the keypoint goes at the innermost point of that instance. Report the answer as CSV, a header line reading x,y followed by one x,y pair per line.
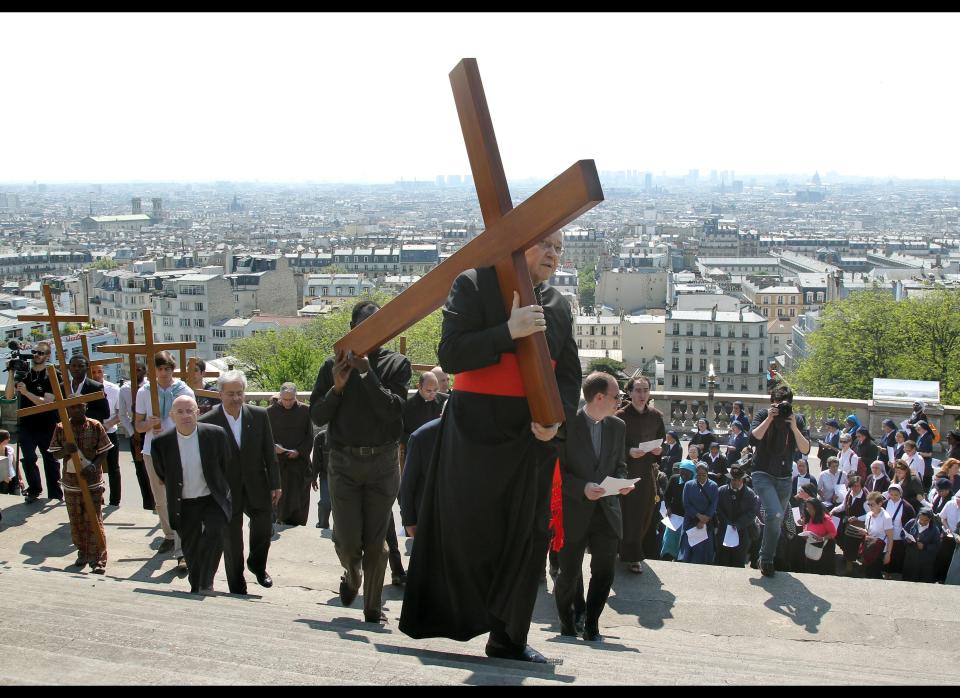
x,y
293,440
421,407
643,424
482,530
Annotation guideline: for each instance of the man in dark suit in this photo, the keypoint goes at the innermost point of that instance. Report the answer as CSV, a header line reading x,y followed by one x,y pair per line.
x,y
191,462
594,449
82,384
254,478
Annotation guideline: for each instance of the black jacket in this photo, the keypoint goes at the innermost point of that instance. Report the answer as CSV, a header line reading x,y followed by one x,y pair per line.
x,y
214,454
579,465
736,508
98,409
252,467
419,452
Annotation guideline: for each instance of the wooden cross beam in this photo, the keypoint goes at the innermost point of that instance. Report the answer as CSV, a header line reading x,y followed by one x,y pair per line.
x,y
191,368
149,349
60,404
508,233
55,321
97,362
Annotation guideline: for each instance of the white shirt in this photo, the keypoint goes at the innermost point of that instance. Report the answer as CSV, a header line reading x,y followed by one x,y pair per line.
x,y
194,484
125,407
891,508
235,425
143,406
950,515
877,526
917,463
10,467
849,461
112,391
829,482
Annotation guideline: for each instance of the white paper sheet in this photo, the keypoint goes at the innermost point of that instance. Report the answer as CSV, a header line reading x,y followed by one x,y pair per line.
x,y
797,516
891,455
732,538
905,425
841,492
695,535
935,464
910,538
836,521
805,534
648,446
613,485
673,522
663,508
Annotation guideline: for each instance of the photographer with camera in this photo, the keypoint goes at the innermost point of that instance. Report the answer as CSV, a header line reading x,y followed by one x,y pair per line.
x,y
776,432
36,430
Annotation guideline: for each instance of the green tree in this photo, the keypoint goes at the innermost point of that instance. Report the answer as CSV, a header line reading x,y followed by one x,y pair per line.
x,y
105,264
587,287
611,366
931,341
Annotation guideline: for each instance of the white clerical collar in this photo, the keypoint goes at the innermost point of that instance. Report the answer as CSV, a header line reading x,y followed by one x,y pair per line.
x,y
188,436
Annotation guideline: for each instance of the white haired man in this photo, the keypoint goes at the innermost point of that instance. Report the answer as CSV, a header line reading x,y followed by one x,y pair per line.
x,y
254,478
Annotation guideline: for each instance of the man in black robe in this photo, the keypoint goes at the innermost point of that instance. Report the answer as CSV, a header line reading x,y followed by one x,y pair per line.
x,y
422,406
482,530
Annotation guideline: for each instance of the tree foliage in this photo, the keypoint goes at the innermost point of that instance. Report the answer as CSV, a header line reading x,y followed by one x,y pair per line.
x,y
607,365
587,287
870,335
105,264
296,354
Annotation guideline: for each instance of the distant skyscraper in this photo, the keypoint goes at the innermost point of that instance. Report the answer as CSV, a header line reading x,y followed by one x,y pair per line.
x,y
441,180
648,181
453,180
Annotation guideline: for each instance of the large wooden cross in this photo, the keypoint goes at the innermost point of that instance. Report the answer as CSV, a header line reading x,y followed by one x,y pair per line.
x,y
60,404
509,232
187,369
85,345
149,349
55,321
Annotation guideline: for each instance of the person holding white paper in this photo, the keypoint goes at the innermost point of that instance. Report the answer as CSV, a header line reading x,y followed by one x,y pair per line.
x,y
700,498
829,480
594,448
673,496
821,532
644,438
737,507
854,505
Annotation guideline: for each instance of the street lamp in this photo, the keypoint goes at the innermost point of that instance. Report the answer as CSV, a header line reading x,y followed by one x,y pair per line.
x,y
711,388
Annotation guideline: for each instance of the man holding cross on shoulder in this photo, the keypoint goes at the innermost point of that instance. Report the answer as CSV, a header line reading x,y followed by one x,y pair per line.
x,y
92,444
482,532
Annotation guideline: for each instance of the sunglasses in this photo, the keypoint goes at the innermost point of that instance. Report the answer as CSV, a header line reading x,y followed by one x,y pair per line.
x,y
37,352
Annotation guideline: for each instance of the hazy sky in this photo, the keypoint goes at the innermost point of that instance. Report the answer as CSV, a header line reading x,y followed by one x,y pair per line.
x,y
351,97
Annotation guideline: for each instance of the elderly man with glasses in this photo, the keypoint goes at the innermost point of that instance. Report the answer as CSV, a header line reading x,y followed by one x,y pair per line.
x,y
36,430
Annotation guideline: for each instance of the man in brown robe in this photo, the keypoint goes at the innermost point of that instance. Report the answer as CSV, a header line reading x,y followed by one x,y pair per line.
x,y
293,436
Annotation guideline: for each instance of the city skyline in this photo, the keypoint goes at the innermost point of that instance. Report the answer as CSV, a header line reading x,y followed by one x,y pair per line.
x,y
347,98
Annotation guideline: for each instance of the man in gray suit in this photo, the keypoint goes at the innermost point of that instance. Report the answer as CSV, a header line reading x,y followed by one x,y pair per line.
x,y
191,462
594,449
253,475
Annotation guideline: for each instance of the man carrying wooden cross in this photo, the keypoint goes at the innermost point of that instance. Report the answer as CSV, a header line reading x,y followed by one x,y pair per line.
x,y
90,440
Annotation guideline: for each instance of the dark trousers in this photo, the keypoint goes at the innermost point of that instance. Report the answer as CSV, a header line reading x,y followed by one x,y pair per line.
x,y
393,545
261,530
146,492
734,557
362,491
113,469
324,507
32,439
201,534
603,542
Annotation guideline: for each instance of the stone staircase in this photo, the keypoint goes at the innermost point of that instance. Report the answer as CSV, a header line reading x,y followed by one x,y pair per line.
x,y
674,624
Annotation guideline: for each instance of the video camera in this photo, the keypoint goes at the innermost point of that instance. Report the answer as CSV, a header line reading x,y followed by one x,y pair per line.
x,y
19,363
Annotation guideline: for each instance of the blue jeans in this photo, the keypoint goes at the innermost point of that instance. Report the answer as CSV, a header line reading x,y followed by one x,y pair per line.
x,y
774,493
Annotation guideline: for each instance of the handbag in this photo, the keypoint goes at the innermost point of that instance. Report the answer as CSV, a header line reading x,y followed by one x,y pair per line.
x,y
812,550
854,529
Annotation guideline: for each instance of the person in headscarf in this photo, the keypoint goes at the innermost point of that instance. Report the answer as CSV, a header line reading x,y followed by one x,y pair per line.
x,y
919,415
672,453
700,499
866,450
953,442
900,438
673,497
737,440
703,436
737,506
925,449
877,480
900,511
922,536
830,444
802,477
854,506
739,416
852,424
887,440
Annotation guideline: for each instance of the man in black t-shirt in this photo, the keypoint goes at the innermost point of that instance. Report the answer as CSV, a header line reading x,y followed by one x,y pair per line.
x,y
36,430
776,438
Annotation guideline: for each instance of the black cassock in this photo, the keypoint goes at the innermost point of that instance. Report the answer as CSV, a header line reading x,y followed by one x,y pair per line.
x,y
482,533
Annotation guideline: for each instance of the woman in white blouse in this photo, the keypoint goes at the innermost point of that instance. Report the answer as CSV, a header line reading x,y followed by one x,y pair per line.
x,y
879,527
900,511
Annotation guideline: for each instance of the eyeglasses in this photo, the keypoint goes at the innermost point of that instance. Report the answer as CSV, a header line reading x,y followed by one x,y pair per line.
x,y
37,352
546,246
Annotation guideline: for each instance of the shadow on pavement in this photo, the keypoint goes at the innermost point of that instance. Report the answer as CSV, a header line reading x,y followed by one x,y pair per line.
x,y
790,597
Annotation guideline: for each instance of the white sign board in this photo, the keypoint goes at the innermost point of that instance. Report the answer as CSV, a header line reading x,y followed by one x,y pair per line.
x,y
899,390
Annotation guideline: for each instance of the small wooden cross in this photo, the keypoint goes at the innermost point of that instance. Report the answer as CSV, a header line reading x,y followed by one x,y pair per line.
x,y
509,232
191,367
55,321
60,404
149,349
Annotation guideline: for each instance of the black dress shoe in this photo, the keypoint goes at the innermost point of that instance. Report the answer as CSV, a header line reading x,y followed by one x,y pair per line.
x,y
242,591
399,579
347,595
30,499
380,619
767,569
592,634
263,579
166,546
527,654
579,622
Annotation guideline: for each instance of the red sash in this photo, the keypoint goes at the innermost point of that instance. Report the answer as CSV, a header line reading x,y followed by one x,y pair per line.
x,y
501,378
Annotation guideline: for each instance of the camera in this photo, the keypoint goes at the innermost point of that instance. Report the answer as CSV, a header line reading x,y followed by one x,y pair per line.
x,y
19,363
784,410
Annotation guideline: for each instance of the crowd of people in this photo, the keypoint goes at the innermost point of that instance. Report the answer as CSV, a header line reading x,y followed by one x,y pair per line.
x,y
488,494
